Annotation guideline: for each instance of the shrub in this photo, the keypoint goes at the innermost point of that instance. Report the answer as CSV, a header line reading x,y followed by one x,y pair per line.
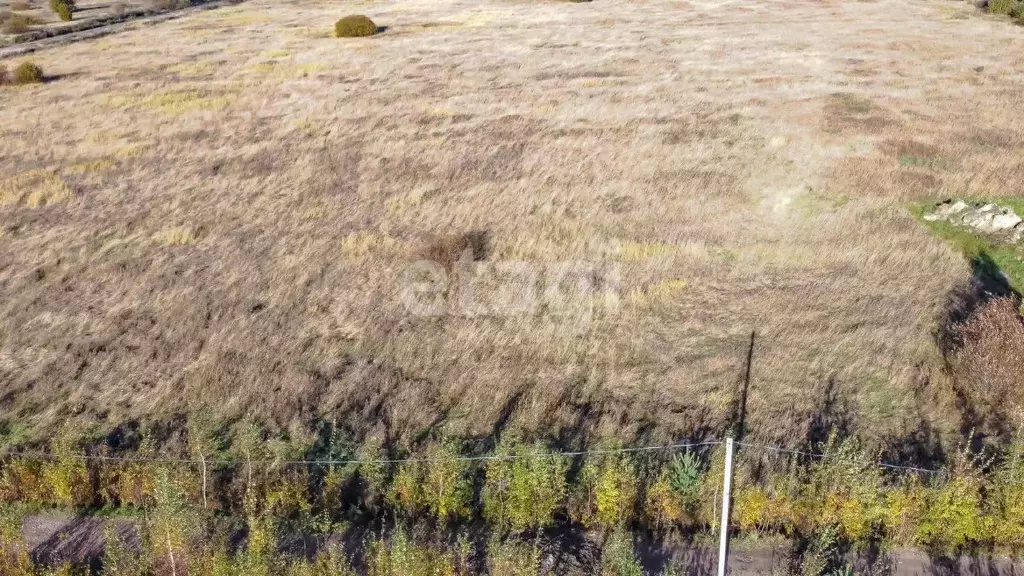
x,y
66,478
1005,499
513,558
22,481
14,553
27,73
447,488
406,494
372,471
675,495
118,557
606,491
904,506
987,364
750,508
354,26
20,6
18,24
172,522
63,9
1001,6
953,517
619,557
403,557
204,445
524,486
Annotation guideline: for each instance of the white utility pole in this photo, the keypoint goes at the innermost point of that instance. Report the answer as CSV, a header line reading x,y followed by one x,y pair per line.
x,y
723,543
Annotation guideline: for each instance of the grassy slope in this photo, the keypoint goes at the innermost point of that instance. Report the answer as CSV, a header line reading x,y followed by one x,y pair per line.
x,y
224,216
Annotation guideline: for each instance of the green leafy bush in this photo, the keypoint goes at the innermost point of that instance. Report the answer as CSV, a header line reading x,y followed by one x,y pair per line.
x,y
406,494
14,553
66,477
354,26
524,486
447,488
513,558
1001,6
606,491
619,557
953,518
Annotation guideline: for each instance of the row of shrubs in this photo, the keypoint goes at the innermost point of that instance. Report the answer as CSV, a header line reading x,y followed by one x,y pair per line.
x,y
523,489
157,547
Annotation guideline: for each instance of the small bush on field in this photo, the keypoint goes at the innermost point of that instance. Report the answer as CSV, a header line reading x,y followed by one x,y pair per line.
x,y
447,488
619,557
1006,498
66,477
404,557
524,486
118,557
172,523
14,553
64,9
953,518
987,366
406,494
606,491
20,6
1001,6
27,73
24,73
18,24
675,495
372,472
513,558
354,26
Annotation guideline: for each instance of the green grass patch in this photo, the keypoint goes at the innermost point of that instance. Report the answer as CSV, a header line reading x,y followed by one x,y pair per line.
x,y
984,254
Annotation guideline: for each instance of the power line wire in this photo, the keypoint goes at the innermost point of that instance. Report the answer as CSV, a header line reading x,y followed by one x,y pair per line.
x,y
818,455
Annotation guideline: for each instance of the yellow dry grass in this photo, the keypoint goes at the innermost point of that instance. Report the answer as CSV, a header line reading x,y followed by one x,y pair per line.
x,y
740,169
176,236
34,188
173,101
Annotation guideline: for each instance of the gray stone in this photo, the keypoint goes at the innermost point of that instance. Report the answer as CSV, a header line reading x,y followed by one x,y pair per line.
x,y
990,219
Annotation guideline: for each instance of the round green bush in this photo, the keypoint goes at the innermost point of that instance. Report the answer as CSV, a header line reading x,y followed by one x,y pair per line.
x,y
354,27
27,73
64,9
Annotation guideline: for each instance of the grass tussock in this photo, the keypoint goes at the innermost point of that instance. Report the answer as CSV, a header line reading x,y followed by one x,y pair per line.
x,y
354,26
34,188
24,73
91,167
174,102
64,9
17,23
177,236
447,249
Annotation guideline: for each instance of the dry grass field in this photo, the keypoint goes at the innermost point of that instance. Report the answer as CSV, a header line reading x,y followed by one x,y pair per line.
x,y
221,209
